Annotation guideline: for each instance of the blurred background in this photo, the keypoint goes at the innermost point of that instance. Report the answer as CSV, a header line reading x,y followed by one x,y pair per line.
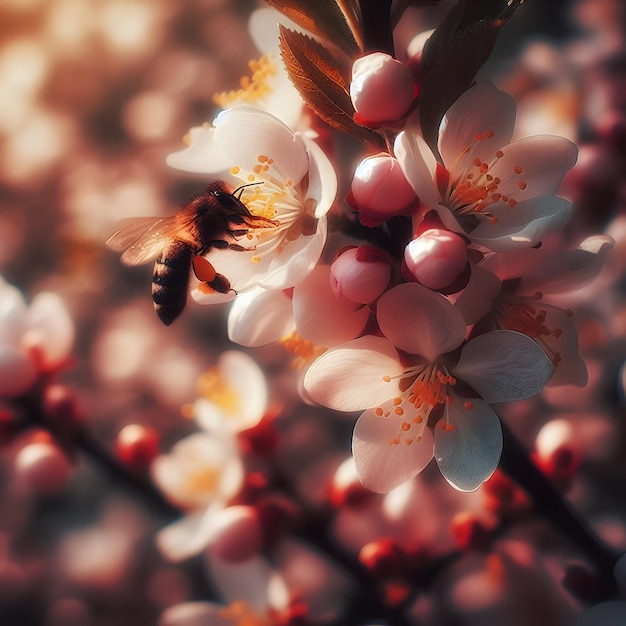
x,y
93,95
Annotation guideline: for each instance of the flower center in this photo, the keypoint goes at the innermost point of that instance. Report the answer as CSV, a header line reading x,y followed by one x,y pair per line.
x,y
270,195
474,189
520,314
428,389
214,387
304,350
253,89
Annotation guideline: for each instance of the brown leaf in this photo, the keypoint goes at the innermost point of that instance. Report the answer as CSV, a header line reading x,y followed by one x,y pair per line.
x,y
453,55
321,82
324,19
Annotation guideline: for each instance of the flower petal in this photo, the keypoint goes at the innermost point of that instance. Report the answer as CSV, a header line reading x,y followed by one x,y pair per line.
x,y
524,225
322,317
259,317
296,259
418,164
351,377
202,156
468,450
480,109
420,321
382,456
476,300
542,161
244,133
504,366
322,185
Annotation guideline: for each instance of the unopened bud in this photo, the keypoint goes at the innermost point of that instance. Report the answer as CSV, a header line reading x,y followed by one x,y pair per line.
x,y
384,558
361,274
436,258
380,190
346,489
469,532
137,446
382,88
42,467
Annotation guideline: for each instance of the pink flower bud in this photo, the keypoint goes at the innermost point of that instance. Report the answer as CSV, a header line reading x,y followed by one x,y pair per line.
x,y
436,258
382,88
137,446
380,190
360,274
237,533
42,467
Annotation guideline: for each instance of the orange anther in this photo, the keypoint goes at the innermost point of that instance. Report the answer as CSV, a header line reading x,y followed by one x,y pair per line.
x,y
406,426
499,154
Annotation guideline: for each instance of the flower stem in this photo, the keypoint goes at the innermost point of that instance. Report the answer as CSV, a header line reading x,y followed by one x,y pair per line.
x,y
377,31
549,502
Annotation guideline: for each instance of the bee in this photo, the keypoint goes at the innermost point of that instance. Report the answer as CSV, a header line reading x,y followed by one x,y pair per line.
x,y
215,219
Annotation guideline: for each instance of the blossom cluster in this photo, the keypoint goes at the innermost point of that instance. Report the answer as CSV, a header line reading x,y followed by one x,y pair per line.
x,y
405,273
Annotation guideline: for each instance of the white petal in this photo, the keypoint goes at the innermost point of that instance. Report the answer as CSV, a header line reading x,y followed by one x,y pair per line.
x,y
419,165
322,185
382,457
323,318
202,156
12,313
350,378
420,321
504,366
524,225
480,109
259,317
187,537
296,260
544,160
49,328
469,452
245,133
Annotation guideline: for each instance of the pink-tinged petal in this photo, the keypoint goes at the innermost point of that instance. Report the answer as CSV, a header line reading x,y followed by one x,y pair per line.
x,y
504,366
384,454
482,119
322,317
564,270
260,317
296,260
476,300
244,133
253,581
322,183
194,614
419,166
202,156
17,372
570,369
353,376
420,321
541,161
468,443
524,225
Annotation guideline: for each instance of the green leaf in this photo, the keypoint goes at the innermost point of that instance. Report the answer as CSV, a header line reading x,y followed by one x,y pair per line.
x,y
326,20
322,83
454,54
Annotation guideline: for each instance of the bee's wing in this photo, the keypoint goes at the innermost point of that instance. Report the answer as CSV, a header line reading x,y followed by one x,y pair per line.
x,y
141,239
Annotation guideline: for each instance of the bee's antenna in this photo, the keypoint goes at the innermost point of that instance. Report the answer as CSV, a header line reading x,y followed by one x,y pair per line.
x,y
242,187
